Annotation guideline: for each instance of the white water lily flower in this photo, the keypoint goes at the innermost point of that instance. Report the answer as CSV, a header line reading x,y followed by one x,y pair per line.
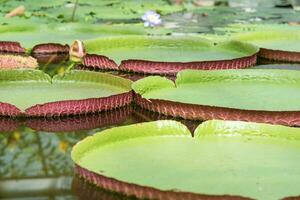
x,y
250,10
151,18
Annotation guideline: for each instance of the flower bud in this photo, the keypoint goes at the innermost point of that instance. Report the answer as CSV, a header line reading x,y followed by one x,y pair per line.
x,y
77,51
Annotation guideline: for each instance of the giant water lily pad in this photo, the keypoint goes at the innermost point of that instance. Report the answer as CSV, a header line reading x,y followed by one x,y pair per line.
x,y
275,45
167,55
30,34
161,160
34,93
250,95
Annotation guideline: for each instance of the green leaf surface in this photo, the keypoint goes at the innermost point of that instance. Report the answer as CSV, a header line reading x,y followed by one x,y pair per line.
x,y
275,40
168,49
31,34
224,158
240,89
26,88
271,36
239,28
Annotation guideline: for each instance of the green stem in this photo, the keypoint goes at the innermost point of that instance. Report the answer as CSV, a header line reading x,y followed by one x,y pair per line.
x,y
74,10
70,67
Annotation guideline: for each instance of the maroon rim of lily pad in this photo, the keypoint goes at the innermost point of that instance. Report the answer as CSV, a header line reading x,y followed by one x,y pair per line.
x,y
50,48
99,62
166,68
69,107
7,109
278,55
143,192
80,122
11,47
200,112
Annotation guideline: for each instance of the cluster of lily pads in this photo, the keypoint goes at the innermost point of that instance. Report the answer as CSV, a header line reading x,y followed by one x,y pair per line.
x,y
187,77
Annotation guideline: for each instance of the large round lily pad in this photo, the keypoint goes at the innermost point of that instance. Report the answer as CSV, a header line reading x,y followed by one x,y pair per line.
x,y
34,93
30,34
161,160
275,45
249,95
167,55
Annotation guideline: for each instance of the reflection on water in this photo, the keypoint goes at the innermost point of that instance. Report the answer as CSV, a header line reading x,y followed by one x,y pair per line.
x,y
84,190
68,124
35,152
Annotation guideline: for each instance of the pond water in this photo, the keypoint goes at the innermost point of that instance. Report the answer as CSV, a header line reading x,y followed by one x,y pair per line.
x,y
35,153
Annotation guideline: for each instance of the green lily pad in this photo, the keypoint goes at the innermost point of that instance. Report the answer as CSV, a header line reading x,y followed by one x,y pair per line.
x,y
244,28
225,94
32,34
26,89
241,89
167,49
276,37
161,160
274,40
